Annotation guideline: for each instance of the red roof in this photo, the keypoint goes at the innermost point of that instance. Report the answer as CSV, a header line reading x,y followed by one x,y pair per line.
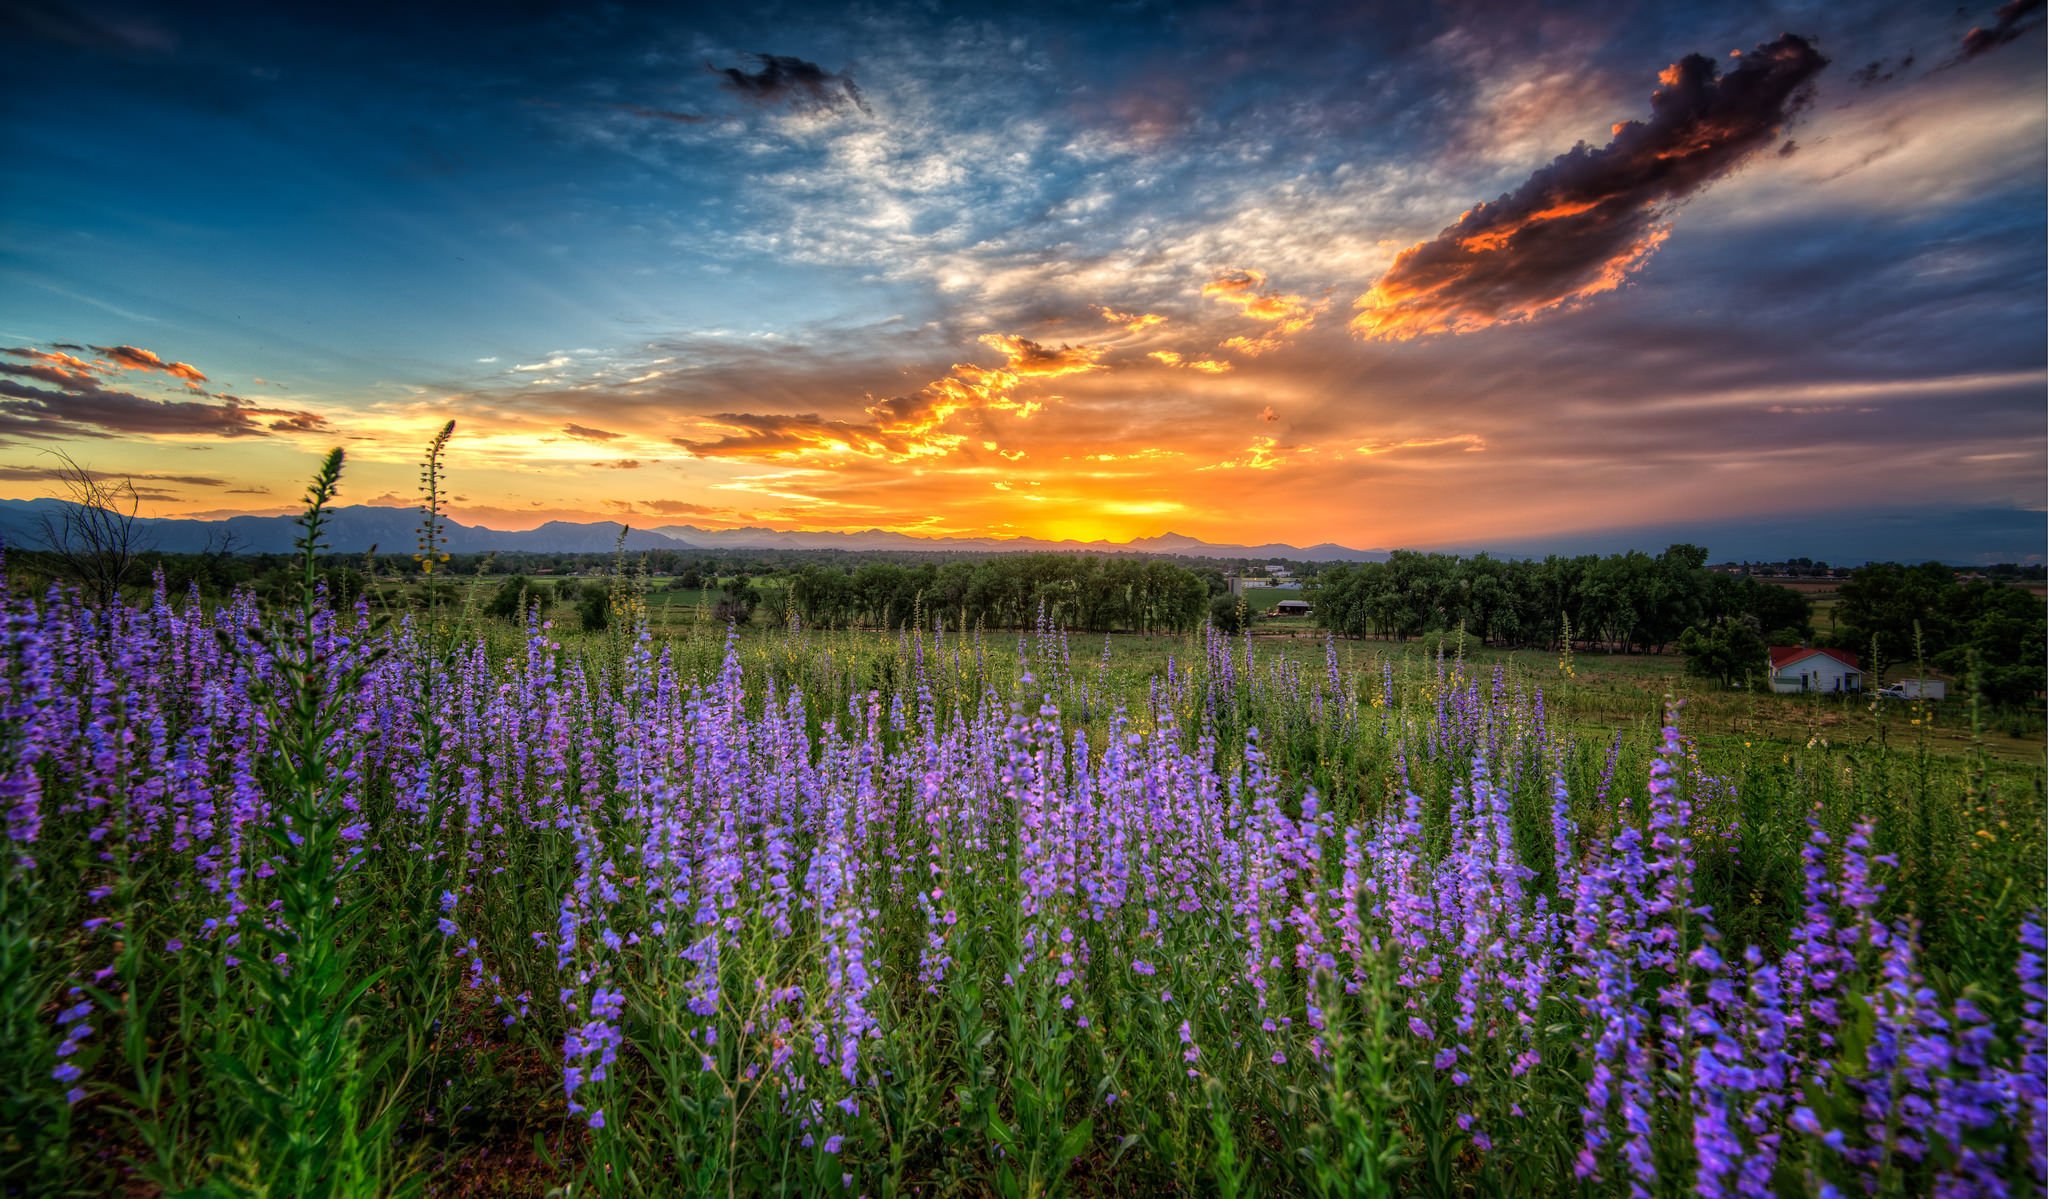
x,y
1785,655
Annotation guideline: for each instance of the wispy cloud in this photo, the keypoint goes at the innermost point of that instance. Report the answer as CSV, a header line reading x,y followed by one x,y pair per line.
x,y
663,114
51,474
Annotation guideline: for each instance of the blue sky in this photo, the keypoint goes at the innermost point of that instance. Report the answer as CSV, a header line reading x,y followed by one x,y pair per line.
x,y
890,266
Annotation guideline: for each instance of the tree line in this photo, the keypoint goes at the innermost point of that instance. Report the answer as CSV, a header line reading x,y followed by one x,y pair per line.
x,y
1632,602
1990,635
1084,593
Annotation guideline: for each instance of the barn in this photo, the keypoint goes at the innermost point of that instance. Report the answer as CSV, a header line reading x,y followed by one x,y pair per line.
x,y
1289,607
1797,668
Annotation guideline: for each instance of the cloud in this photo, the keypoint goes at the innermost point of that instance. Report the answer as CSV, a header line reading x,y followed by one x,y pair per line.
x,y
82,406
32,412
621,464
60,364
1246,290
1579,226
1174,358
1266,453
1879,71
755,435
2010,21
914,425
586,433
294,422
48,474
1028,359
783,81
1133,322
662,114
1471,443
1267,414
133,358
680,508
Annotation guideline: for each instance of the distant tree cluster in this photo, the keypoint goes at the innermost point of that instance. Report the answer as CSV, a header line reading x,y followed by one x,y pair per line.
x,y
1991,636
1631,602
1076,591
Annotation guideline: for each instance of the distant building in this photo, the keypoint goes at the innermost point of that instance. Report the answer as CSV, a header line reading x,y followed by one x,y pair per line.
x,y
1289,608
1279,571
1797,668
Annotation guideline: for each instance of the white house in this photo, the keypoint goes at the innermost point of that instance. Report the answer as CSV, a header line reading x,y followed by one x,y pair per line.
x,y
1797,668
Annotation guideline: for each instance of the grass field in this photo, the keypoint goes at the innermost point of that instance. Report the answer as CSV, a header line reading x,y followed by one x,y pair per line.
x,y
463,907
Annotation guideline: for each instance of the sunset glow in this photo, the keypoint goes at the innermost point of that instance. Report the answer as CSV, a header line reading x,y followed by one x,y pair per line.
x,y
1414,277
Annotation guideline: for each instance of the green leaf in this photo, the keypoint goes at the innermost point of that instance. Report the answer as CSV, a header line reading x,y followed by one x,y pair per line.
x,y
1076,1140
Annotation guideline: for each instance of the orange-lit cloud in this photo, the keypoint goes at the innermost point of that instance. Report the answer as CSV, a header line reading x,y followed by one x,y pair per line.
x,y
1246,291
73,400
1133,322
1579,226
1028,359
1208,366
1266,453
134,358
1470,442
906,426
57,362
585,433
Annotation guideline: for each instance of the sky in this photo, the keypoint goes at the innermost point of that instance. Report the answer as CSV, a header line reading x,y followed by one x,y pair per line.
x,y
1433,276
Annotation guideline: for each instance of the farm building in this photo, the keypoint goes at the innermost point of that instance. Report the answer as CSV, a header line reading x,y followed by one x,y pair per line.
x,y
1289,608
1796,668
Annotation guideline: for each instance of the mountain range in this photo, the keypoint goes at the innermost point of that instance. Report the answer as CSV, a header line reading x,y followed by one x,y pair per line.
x,y
356,530
1962,536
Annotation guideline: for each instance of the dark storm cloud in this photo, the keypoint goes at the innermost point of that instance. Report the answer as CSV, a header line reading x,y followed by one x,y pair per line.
x,y
2008,23
784,81
1580,225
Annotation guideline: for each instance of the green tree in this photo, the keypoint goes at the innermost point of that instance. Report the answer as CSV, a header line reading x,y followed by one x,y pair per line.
x,y
511,598
1227,613
594,606
1730,653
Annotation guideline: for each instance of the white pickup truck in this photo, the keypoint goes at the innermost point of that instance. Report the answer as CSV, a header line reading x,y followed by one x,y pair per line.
x,y
1916,689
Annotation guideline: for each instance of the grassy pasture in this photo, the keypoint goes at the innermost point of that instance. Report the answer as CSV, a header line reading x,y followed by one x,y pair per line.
x,y
672,908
